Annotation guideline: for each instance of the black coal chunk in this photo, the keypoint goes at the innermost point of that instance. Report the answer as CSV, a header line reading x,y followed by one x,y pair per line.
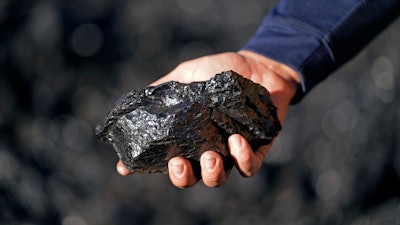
x,y
148,127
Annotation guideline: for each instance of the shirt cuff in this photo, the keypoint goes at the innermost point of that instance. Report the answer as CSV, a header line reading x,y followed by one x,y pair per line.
x,y
296,45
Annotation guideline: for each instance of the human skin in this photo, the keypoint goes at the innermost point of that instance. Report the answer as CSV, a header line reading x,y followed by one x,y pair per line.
x,y
280,80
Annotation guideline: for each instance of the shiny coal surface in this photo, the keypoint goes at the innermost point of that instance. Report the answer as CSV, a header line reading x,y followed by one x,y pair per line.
x,y
148,127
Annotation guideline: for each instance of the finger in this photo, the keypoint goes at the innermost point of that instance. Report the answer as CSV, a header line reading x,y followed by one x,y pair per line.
x,y
174,75
121,168
212,169
247,161
181,173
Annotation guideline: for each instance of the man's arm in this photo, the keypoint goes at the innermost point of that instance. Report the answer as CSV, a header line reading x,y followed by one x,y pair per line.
x,y
281,82
298,44
315,37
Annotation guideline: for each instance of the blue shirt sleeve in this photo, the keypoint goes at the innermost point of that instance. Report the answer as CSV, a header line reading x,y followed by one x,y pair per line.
x,y
315,37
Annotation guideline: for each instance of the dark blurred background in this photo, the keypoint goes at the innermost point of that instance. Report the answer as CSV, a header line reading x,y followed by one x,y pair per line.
x,y
64,63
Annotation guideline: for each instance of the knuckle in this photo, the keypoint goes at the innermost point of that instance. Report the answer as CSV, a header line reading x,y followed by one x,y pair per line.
x,y
214,179
211,180
245,158
212,184
250,170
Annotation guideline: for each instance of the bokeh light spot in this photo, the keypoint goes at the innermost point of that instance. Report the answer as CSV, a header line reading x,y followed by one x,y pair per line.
x,y
73,220
328,184
87,39
77,134
382,73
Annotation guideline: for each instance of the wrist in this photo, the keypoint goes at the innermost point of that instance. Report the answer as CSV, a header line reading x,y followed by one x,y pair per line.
x,y
282,75
281,81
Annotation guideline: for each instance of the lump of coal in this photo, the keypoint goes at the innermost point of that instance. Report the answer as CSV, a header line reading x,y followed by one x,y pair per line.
x,y
148,127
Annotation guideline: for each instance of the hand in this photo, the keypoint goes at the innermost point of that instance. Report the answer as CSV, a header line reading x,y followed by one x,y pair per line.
x,y
280,80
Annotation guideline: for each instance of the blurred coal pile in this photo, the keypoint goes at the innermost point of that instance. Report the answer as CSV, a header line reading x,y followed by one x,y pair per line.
x,y
63,63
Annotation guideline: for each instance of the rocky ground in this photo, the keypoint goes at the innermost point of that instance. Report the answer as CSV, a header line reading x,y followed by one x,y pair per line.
x,y
64,63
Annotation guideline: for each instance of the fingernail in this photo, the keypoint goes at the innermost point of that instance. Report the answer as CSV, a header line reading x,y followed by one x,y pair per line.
x,y
210,163
177,169
236,143
122,169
